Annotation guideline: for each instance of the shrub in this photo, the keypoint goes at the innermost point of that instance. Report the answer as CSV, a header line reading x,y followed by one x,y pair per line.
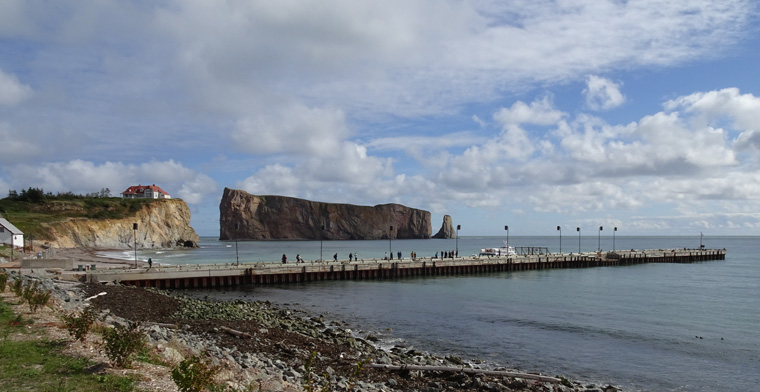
x,y
79,325
17,287
35,296
122,343
3,281
194,375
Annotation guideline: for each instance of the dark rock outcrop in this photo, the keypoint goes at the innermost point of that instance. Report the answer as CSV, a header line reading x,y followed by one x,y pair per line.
x,y
447,229
252,217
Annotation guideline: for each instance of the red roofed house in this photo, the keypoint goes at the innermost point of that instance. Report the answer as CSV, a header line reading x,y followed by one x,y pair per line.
x,y
145,192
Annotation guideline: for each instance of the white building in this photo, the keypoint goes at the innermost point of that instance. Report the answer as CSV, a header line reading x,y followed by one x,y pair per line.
x,y
10,235
145,192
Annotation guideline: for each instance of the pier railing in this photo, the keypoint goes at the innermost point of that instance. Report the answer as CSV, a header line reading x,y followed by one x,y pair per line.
x,y
265,273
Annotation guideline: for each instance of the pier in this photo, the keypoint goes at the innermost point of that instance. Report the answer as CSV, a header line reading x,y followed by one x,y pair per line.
x,y
269,273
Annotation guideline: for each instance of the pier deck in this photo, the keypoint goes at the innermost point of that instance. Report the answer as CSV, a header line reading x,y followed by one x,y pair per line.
x,y
266,273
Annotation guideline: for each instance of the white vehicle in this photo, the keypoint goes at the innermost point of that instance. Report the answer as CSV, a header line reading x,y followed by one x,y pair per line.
x,y
505,250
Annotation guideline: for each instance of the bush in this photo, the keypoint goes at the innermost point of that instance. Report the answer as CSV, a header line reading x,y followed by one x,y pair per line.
x,y
3,281
122,343
17,287
194,375
35,296
79,325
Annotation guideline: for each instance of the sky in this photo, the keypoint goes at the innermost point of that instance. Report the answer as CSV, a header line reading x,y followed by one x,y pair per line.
x,y
641,115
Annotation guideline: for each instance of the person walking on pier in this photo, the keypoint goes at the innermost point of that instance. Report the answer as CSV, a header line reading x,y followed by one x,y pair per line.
x,y
284,258
150,263
298,258
335,257
399,255
350,257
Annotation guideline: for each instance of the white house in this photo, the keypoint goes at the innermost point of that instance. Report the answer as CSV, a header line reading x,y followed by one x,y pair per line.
x,y
10,235
145,192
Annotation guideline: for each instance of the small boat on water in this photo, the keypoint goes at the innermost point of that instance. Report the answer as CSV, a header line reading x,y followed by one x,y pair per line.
x,y
505,250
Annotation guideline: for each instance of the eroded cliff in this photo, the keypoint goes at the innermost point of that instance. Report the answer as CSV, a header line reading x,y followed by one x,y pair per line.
x,y
163,223
252,217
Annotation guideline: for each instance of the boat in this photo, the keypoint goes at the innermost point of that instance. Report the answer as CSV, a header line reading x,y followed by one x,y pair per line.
x,y
505,250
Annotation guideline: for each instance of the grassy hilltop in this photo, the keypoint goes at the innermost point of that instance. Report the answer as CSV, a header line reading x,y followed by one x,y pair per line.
x,y
32,209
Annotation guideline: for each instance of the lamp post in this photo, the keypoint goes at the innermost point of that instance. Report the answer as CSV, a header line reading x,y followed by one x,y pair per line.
x,y
390,242
321,237
614,230
457,249
700,241
578,229
507,229
134,227
560,238
237,255
599,245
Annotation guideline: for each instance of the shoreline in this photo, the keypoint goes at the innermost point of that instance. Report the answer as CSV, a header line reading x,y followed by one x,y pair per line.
x,y
339,348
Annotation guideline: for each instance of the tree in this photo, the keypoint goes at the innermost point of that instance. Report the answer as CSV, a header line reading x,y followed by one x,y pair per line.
x,y
34,195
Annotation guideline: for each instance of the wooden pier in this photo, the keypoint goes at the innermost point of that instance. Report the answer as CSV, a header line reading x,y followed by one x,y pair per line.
x,y
230,274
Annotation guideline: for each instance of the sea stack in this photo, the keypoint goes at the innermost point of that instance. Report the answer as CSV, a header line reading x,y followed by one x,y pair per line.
x,y
447,229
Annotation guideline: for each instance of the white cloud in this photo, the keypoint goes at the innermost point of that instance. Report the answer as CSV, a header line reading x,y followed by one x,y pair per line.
x,y
348,167
14,147
12,91
81,177
295,129
602,93
539,112
742,111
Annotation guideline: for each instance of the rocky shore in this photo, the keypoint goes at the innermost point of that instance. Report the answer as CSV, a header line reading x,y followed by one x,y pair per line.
x,y
260,346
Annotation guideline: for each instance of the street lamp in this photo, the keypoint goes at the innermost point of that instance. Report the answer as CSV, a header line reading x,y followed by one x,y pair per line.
x,y
560,238
614,230
700,241
134,227
578,229
237,255
390,242
599,245
321,237
457,251
507,229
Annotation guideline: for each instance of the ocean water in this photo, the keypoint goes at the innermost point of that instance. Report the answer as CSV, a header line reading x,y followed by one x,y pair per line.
x,y
652,327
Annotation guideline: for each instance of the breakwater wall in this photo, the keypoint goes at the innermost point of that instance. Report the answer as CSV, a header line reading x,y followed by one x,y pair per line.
x,y
266,273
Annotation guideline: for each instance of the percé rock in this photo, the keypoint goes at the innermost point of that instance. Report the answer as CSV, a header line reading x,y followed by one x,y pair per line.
x,y
447,229
282,217
162,223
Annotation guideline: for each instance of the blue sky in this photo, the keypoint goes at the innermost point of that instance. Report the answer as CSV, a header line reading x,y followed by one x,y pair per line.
x,y
644,115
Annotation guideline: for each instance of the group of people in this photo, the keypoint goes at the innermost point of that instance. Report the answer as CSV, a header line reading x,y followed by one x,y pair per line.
x,y
299,259
399,256
447,255
355,256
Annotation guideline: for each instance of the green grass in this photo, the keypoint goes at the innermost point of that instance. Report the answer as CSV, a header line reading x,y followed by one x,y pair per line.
x,y
30,217
37,364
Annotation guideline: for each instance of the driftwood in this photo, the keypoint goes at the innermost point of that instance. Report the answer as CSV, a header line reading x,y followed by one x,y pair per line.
x,y
236,333
466,370
163,325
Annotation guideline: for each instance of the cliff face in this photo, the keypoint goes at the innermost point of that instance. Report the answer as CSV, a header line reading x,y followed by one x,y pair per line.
x,y
447,229
163,223
281,217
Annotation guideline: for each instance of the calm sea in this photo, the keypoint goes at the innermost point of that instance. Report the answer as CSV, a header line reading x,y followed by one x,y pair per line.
x,y
653,327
